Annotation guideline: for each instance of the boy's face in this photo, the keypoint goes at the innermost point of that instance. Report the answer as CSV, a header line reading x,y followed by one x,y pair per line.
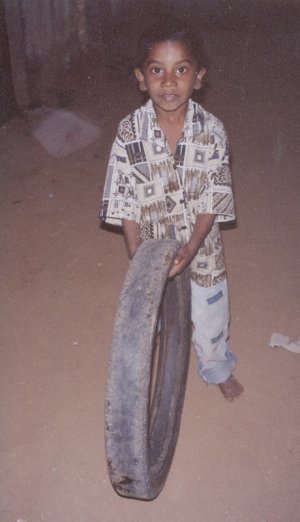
x,y
169,75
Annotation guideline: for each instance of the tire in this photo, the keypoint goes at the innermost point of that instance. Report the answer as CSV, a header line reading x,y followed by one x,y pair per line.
x,y
140,433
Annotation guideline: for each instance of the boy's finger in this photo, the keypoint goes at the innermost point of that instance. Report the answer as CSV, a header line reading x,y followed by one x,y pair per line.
x,y
176,268
178,258
172,273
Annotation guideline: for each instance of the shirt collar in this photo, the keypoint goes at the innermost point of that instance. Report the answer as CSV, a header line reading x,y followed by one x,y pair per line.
x,y
150,129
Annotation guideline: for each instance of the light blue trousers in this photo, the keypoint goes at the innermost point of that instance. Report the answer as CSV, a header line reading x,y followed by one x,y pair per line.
x,y
210,317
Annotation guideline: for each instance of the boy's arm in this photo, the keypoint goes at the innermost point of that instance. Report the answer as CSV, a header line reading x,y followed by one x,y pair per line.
x,y
131,232
185,254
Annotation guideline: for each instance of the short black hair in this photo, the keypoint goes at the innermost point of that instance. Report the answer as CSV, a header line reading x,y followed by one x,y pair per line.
x,y
169,28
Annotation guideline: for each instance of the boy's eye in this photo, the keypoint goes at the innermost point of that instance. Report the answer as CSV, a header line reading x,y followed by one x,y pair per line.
x,y
156,70
181,69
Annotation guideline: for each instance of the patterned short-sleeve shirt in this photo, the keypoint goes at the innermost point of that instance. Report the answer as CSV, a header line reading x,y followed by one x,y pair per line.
x,y
164,192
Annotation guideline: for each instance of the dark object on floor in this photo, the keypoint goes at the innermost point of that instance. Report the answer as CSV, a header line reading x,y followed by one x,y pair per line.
x,y
141,431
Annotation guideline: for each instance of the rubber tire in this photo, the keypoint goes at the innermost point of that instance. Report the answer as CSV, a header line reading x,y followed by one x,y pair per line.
x,y
140,433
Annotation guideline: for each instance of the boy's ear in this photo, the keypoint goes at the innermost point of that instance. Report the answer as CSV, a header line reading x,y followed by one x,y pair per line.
x,y
199,77
141,79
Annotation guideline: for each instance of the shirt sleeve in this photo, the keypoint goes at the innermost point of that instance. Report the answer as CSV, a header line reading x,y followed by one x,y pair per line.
x,y
217,196
119,200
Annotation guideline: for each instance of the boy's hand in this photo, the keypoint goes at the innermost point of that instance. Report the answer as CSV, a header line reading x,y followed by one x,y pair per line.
x,y
181,261
131,232
185,254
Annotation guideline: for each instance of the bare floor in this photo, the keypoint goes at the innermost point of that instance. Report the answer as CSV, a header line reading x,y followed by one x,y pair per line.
x,y
61,276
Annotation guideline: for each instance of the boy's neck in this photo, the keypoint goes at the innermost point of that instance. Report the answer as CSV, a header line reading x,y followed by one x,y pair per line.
x,y
172,124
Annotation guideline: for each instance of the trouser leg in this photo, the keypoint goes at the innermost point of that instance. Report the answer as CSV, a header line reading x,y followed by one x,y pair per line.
x,y
210,317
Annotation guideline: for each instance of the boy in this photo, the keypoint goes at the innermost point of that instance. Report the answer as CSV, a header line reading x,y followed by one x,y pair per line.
x,y
168,177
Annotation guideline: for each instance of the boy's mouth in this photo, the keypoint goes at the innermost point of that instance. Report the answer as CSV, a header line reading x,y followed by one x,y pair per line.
x,y
169,96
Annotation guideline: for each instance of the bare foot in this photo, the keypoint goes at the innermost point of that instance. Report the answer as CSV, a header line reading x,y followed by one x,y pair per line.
x,y
231,389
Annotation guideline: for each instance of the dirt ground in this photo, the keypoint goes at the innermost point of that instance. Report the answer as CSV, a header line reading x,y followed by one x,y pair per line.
x,y
61,276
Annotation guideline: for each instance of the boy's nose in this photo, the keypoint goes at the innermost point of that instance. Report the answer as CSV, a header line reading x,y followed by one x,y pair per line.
x,y
169,78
